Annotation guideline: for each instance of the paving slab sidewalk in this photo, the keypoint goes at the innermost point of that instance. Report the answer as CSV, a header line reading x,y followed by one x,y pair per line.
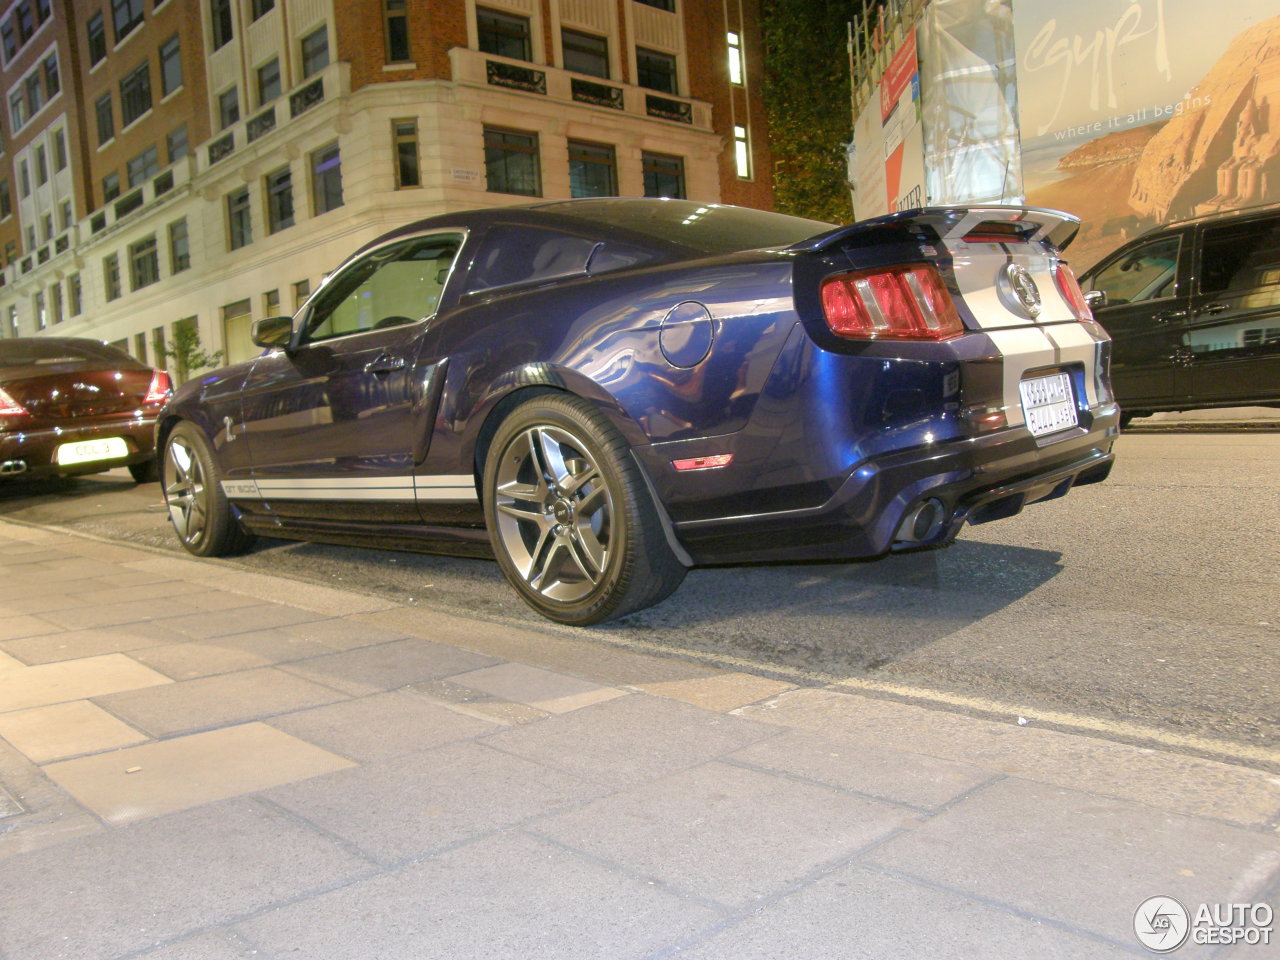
x,y
192,768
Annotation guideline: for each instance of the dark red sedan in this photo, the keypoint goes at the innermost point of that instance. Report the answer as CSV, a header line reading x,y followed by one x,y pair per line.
x,y
72,406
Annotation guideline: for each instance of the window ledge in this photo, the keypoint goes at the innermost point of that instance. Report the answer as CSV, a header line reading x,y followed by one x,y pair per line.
x,y
396,67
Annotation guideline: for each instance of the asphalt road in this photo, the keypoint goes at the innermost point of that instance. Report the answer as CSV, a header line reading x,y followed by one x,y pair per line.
x,y
1147,607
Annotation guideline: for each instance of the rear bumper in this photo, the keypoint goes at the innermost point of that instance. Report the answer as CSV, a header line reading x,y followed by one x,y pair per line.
x,y
30,454
972,480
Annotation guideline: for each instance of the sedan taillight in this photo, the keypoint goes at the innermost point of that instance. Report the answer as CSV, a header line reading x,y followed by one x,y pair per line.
x,y
10,407
893,303
159,390
1069,287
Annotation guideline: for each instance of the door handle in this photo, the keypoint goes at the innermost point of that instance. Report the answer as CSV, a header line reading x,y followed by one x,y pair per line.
x,y
1214,309
1170,316
384,364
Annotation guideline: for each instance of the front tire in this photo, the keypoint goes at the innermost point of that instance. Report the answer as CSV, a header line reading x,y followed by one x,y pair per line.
x,y
198,509
571,519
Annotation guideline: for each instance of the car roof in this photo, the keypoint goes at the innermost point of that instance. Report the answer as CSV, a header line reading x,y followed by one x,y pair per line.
x,y
1219,215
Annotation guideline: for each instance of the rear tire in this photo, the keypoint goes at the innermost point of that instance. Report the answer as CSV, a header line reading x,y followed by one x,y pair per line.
x,y
198,509
570,516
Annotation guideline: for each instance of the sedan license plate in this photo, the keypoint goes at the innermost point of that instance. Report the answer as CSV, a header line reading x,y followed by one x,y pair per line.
x,y
1048,404
87,451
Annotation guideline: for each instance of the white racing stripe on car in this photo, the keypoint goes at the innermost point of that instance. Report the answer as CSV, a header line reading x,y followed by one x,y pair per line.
x,y
1022,349
1076,345
404,488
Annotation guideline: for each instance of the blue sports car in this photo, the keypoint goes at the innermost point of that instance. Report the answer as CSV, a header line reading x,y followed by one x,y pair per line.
x,y
603,393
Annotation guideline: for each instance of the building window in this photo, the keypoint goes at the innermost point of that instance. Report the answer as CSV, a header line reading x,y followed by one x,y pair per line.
x,y
406,145
271,303
55,302
35,98
144,263
111,277
52,82
42,318
18,109
326,179
140,347
157,345
220,23
668,5
75,298
176,144
110,187
593,170
268,81
656,71
179,246
397,23
279,200
65,215
170,66
97,39
31,238
504,34
228,108
315,52
135,94
301,290
239,219
6,202
585,53
262,7
10,39
126,15
15,328
46,227
741,152
106,119
735,57
59,150
44,9
511,162
24,179
143,167
42,166
663,175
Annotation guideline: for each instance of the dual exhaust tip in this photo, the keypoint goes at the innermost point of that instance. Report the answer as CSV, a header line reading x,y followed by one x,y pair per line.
x,y
10,468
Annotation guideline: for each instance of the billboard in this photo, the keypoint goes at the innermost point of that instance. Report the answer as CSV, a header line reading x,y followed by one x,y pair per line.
x,y
889,141
1135,114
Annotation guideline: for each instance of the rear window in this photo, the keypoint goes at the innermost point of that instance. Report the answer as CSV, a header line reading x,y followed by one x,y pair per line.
x,y
35,353
708,228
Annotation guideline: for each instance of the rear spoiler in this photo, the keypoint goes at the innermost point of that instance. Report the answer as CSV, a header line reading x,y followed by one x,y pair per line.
x,y
993,224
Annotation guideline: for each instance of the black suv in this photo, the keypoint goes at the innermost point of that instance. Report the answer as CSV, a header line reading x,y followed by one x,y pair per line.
x,y
1193,309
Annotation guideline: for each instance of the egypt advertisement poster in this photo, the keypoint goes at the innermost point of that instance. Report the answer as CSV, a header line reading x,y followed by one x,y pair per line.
x,y
1136,114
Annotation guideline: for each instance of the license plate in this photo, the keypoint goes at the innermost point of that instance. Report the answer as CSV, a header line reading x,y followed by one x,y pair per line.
x,y
1048,404
87,451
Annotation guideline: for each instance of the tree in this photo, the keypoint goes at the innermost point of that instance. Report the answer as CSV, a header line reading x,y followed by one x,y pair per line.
x,y
806,94
186,350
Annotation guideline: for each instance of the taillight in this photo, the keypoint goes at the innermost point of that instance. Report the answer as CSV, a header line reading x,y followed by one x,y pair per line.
x,y
1069,287
10,407
159,390
892,303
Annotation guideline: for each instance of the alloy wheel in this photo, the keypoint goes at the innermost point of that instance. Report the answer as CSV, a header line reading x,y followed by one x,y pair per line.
x,y
555,513
184,491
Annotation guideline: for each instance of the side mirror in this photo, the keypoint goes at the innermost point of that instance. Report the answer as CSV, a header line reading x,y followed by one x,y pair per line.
x,y
1096,299
272,332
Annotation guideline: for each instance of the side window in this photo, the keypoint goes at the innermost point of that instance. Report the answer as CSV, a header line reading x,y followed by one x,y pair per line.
x,y
1241,256
517,254
1149,272
394,285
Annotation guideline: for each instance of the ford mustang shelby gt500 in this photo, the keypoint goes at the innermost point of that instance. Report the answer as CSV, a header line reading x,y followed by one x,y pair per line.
x,y
603,393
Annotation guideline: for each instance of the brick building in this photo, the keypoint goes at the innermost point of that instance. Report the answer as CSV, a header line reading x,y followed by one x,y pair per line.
x,y
206,162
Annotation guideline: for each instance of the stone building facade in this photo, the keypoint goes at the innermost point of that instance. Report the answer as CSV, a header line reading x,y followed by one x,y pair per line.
x,y
203,163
